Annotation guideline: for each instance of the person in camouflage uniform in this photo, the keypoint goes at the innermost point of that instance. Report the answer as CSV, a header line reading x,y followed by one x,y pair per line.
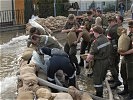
x,y
35,30
99,52
45,41
87,37
115,57
128,56
71,50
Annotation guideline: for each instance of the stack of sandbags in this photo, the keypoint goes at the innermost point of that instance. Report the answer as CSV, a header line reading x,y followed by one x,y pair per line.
x,y
55,23
25,94
50,23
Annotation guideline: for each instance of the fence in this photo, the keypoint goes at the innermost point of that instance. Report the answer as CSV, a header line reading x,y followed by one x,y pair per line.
x,y
10,17
49,9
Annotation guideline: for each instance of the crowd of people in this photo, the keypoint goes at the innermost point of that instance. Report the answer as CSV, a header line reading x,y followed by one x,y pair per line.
x,y
99,38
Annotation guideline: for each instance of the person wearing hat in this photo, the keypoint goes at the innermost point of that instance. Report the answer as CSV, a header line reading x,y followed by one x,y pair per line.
x,y
114,57
71,26
128,56
99,52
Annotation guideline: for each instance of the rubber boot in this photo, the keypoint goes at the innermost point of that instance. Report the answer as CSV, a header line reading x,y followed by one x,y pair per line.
x,y
115,84
99,91
72,82
125,91
81,62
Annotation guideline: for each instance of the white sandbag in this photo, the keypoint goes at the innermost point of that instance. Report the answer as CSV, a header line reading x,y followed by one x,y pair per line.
x,y
35,24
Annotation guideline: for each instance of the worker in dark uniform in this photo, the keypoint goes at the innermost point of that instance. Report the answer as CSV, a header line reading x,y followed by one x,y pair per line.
x,y
115,57
123,63
128,56
87,38
99,52
71,50
57,60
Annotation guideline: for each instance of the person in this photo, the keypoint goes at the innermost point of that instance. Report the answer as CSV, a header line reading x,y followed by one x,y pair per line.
x,y
121,8
87,38
120,20
128,56
104,21
45,41
58,60
98,21
114,57
35,30
99,52
132,10
71,50
123,63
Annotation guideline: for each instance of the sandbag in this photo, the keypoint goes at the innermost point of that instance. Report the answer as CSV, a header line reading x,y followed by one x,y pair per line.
x,y
123,43
29,79
25,70
25,95
43,93
75,93
27,54
38,26
71,37
62,96
85,96
85,35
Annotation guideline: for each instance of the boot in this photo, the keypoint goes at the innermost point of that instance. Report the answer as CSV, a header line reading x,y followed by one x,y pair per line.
x,y
81,62
72,82
78,70
129,97
99,91
125,91
115,84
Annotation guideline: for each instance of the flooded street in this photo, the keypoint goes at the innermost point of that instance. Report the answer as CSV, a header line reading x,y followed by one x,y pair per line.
x,y
11,46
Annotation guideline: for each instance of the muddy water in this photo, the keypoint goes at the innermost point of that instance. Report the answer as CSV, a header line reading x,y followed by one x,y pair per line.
x,y
11,45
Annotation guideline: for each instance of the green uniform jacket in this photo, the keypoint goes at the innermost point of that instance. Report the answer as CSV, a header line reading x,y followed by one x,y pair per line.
x,y
100,48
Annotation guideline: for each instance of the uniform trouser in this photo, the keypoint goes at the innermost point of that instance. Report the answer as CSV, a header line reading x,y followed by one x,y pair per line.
x,y
100,70
61,63
114,66
129,66
123,72
71,51
84,45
